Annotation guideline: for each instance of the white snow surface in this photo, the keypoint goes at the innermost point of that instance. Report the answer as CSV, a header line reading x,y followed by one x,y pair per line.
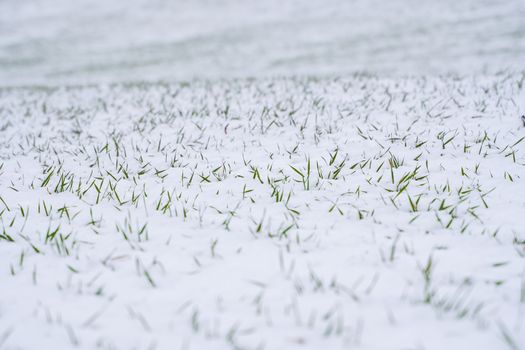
x,y
282,213
262,175
64,41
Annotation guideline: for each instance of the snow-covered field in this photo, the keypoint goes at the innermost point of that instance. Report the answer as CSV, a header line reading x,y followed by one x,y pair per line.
x,y
55,41
285,213
262,175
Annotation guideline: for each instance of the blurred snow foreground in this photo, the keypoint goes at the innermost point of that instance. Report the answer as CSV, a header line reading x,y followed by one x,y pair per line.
x,y
262,174
53,41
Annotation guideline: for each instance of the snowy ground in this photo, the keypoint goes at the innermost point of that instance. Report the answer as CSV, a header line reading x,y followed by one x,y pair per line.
x,y
357,212
55,41
248,174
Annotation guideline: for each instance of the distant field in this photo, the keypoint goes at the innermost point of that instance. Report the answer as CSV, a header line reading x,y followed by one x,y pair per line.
x,y
363,212
56,41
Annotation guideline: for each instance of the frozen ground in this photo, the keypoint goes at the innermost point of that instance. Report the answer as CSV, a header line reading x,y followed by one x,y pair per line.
x,y
364,190
55,41
355,213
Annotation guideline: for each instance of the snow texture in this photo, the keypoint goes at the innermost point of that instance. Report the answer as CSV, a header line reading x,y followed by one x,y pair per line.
x,y
360,213
262,174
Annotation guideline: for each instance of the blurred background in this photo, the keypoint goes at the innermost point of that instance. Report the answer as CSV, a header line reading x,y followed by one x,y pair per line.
x,y
79,41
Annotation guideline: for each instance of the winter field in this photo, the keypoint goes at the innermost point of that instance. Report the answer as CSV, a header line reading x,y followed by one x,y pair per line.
x,y
262,176
270,214
57,41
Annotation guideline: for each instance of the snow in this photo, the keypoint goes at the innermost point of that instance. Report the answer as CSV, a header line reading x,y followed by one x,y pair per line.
x,y
249,253
62,41
244,174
